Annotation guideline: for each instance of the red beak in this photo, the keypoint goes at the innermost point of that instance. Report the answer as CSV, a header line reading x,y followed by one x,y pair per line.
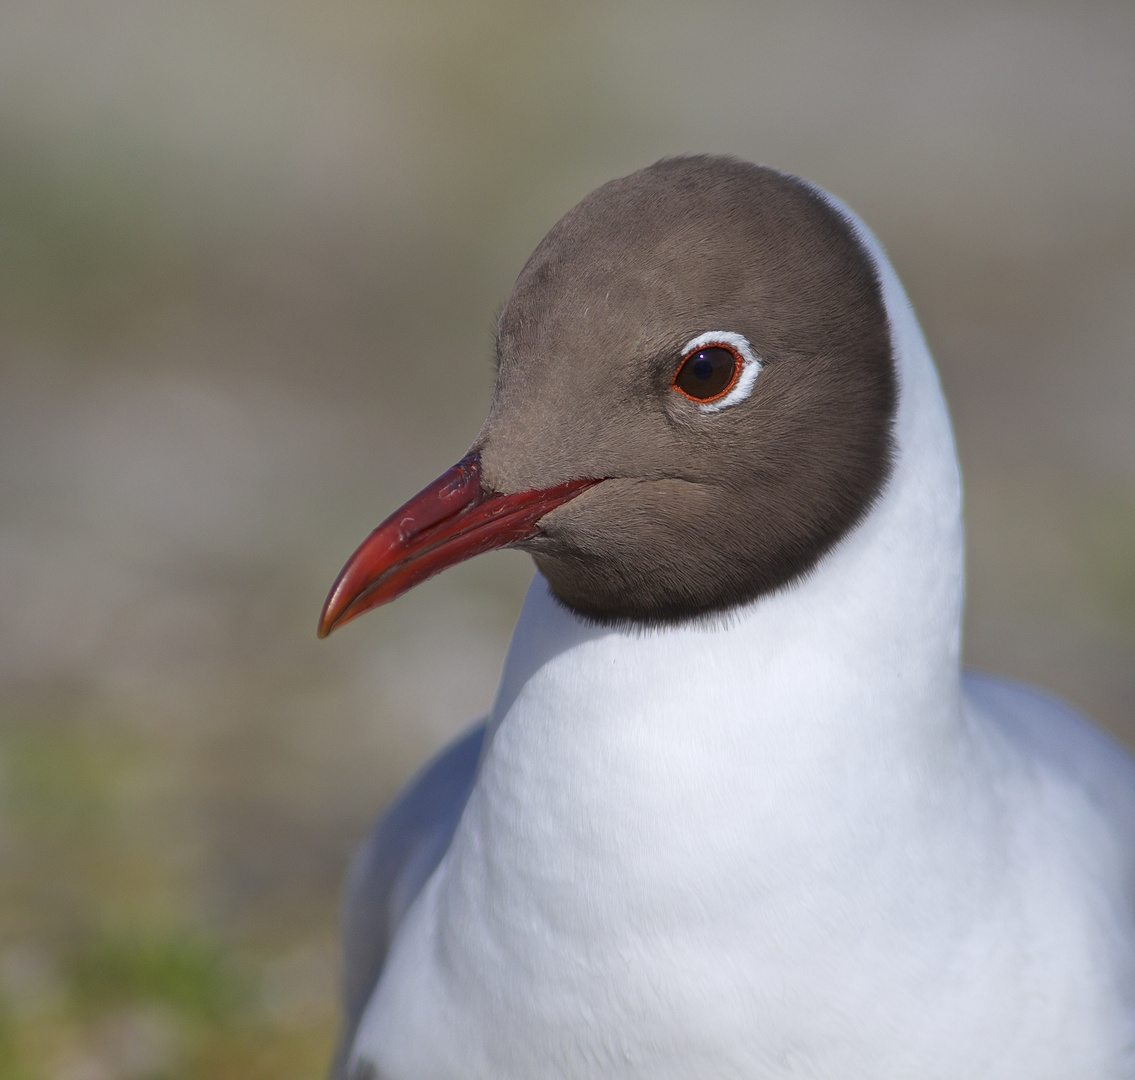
x,y
451,520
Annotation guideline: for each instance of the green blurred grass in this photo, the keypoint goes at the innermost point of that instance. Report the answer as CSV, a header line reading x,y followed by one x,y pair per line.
x,y
107,970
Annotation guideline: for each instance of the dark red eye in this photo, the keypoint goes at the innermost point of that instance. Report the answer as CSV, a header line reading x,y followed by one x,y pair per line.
x,y
708,374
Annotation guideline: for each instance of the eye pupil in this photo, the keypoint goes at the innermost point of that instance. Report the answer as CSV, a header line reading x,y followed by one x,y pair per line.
x,y
707,374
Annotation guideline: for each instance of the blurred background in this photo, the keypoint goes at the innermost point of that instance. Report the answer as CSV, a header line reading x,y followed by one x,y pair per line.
x,y
250,257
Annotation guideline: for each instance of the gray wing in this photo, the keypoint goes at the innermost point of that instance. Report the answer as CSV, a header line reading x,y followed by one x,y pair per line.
x,y
391,867
1053,732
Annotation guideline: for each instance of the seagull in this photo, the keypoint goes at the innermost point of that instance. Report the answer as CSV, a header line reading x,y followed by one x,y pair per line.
x,y
736,811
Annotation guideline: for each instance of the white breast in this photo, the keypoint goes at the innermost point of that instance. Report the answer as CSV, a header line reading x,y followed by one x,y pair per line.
x,y
762,893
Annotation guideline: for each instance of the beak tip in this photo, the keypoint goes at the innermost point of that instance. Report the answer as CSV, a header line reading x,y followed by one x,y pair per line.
x,y
329,620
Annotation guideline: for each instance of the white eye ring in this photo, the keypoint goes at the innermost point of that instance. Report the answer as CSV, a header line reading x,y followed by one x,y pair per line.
x,y
750,365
